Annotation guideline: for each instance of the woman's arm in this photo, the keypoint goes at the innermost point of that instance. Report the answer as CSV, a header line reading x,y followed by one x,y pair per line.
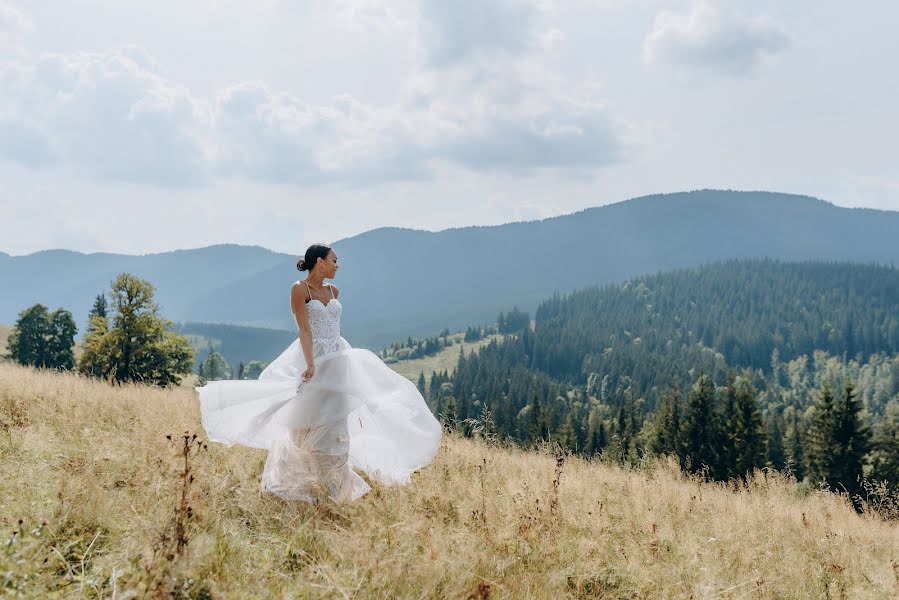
x,y
298,306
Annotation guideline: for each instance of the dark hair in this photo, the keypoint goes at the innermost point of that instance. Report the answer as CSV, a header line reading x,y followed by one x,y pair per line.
x,y
313,253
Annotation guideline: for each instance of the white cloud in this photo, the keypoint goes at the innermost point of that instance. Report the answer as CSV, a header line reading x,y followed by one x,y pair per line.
x,y
551,39
112,114
479,98
714,36
457,31
13,27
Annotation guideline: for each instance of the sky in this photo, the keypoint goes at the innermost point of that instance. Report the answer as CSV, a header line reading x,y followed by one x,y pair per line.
x,y
139,126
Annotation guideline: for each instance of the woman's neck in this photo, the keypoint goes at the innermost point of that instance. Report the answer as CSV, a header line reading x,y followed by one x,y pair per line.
x,y
316,280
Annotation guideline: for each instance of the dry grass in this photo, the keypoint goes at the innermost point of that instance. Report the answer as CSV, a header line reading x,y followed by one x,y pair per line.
x,y
92,462
446,359
4,335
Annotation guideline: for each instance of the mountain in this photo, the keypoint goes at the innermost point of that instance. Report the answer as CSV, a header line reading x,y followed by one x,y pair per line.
x,y
237,343
399,282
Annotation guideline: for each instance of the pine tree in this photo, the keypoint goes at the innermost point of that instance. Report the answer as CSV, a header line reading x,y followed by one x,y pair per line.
x,y
774,433
421,383
30,337
667,431
795,457
43,339
596,433
885,447
700,427
820,452
61,345
99,307
538,425
214,368
729,433
851,440
747,433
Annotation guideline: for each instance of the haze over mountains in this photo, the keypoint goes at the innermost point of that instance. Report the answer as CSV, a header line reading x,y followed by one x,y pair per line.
x,y
399,282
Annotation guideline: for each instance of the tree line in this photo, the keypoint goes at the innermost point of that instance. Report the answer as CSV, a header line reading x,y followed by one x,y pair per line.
x,y
601,371
126,338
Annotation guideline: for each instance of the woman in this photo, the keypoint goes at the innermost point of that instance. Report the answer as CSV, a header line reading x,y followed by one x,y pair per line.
x,y
323,407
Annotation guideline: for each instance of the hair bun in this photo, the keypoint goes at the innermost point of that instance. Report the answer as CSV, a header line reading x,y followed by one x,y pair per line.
x,y
301,265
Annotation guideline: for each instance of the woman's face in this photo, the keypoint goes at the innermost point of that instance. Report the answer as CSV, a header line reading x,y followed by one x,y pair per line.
x,y
329,265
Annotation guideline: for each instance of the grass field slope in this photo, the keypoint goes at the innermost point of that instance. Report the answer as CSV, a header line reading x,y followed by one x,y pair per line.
x,y
4,336
96,501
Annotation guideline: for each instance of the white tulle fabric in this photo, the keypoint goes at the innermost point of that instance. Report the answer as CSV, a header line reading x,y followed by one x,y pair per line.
x,y
354,412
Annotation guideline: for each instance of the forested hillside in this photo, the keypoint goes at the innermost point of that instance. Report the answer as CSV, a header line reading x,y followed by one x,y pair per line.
x,y
604,368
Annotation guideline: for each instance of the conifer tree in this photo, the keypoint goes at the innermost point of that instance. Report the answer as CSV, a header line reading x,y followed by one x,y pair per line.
x,y
30,336
851,440
700,427
795,456
885,448
61,345
99,307
774,434
421,383
747,433
667,438
819,453
43,339
729,433
214,368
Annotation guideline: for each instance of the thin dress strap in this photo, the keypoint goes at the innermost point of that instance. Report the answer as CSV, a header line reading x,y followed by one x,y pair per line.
x,y
331,287
308,291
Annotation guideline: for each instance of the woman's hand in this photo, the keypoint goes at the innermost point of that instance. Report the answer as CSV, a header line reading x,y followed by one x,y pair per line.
x,y
309,372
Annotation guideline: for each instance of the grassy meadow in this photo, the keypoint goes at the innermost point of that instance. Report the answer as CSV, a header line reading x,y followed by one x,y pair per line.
x,y
446,359
97,502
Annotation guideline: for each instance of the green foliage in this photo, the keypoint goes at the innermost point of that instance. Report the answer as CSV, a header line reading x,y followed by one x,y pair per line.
x,y
99,307
667,438
885,447
599,367
743,430
513,322
701,428
421,385
838,439
43,339
253,369
214,367
138,345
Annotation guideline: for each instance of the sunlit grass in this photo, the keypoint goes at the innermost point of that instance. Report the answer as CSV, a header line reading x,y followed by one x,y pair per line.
x,y
91,461
445,359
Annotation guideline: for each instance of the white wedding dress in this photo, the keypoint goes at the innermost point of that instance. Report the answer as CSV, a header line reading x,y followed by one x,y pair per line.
x,y
354,412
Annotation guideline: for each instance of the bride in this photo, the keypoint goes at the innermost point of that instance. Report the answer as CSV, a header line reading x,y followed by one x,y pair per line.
x,y
323,408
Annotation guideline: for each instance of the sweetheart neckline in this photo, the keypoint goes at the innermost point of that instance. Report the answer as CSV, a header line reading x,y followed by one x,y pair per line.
x,y
325,304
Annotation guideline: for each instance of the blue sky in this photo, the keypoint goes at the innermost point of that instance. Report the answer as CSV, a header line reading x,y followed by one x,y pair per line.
x,y
146,126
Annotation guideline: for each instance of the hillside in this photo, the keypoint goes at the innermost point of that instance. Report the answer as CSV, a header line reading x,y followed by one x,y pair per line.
x,y
445,360
92,463
400,282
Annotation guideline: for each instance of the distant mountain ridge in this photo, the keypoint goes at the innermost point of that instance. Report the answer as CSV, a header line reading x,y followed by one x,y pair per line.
x,y
398,282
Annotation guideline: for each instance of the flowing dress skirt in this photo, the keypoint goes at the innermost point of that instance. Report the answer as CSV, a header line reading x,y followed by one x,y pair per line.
x,y
354,412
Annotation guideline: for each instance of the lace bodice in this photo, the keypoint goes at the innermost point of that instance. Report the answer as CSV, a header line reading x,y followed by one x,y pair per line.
x,y
324,322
